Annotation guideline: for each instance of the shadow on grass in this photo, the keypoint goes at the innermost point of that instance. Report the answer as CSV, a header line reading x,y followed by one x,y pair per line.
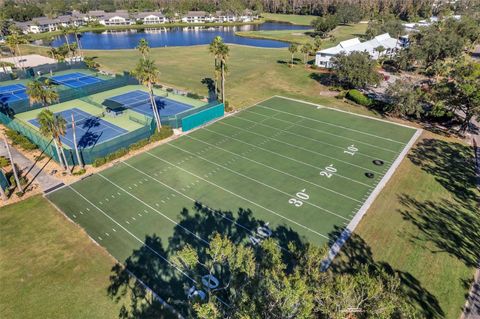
x,y
196,226
357,252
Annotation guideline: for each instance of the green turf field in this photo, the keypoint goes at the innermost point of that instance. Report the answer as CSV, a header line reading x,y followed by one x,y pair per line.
x,y
294,169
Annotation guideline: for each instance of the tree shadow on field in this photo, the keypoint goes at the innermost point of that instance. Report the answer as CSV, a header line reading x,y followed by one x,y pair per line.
x,y
357,253
451,164
326,79
149,262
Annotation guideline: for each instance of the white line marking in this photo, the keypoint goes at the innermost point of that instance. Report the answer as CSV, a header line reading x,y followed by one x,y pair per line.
x,y
241,197
261,183
302,148
327,133
310,138
131,234
331,124
277,170
287,157
154,209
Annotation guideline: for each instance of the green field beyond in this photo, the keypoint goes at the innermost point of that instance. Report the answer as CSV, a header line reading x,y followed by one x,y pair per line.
x,y
292,168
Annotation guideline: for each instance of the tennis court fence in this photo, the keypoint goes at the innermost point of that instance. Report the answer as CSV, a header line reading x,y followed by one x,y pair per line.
x,y
76,93
31,72
194,117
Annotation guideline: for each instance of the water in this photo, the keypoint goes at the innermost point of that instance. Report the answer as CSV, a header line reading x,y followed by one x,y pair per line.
x,y
176,36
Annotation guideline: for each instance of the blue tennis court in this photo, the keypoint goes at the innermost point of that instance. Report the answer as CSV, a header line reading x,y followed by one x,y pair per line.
x,y
12,93
139,101
75,80
91,130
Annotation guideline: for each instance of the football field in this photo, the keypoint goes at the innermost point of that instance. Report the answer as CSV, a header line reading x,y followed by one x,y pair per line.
x,y
282,168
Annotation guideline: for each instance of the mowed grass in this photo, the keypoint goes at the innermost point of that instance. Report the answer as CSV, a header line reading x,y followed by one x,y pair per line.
x,y
340,33
267,160
48,266
254,74
289,18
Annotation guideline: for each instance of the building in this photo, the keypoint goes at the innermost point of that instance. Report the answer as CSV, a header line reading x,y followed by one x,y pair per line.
x,y
44,24
223,17
196,17
151,18
381,45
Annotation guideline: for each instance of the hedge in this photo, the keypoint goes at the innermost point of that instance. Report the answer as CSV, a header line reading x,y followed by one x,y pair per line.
x,y
359,98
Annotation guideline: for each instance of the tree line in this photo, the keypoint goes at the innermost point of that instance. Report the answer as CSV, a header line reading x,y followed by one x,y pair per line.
x,y
404,9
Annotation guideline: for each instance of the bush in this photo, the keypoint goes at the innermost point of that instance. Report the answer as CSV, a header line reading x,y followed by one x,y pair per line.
x,y
20,140
359,98
80,172
341,95
194,96
169,90
165,131
4,161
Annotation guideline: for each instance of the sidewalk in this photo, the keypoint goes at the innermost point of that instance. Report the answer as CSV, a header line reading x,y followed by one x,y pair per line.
x,y
35,173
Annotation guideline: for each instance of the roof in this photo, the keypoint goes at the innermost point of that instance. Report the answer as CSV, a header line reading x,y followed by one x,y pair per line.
x,y
382,40
147,14
196,14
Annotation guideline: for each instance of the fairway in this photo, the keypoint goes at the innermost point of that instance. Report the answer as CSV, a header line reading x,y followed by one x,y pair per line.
x,y
282,168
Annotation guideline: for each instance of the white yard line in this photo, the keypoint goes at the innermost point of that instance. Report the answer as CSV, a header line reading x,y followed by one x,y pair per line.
x,y
343,148
331,124
241,197
326,133
281,155
131,234
299,147
346,233
258,182
154,209
274,169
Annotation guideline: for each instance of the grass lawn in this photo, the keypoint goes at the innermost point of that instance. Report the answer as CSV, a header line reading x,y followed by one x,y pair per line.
x,y
48,266
340,33
290,18
255,74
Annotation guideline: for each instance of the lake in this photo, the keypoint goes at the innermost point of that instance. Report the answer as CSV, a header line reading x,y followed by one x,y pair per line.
x,y
176,36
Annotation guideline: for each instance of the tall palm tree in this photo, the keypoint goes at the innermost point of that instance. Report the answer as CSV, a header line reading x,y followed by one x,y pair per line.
x,y
143,48
65,32
41,92
223,54
54,126
13,42
214,49
76,31
293,48
146,72
14,168
306,49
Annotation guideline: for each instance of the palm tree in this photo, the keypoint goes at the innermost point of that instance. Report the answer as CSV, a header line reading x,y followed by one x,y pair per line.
x,y
143,48
41,92
79,158
223,53
13,42
293,48
54,126
73,48
306,49
14,168
76,31
65,32
5,65
146,72
214,49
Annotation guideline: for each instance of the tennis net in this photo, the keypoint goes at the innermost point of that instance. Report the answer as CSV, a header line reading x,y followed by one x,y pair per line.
x,y
74,79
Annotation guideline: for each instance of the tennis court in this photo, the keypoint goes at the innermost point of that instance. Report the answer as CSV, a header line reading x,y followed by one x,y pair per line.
x,y
139,101
90,130
75,80
12,93
283,168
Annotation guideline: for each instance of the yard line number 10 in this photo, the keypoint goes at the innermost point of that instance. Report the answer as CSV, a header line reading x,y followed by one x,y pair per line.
x,y
351,150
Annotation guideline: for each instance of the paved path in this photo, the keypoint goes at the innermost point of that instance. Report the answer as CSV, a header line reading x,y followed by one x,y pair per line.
x,y
28,167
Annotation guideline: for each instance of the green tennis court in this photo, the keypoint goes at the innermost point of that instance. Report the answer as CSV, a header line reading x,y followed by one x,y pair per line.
x,y
282,168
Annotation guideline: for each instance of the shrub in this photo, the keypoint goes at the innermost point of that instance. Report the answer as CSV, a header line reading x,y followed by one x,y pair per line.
x,y
20,140
359,98
169,90
194,96
80,172
4,161
341,95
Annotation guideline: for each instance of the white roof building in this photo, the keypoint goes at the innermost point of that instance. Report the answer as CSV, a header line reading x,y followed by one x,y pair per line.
x,y
389,45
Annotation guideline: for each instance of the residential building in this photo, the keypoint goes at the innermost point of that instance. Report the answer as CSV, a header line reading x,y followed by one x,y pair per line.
x,y
151,17
196,17
381,45
223,17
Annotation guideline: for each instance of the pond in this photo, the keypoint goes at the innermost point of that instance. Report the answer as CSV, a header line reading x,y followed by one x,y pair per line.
x,y
176,36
